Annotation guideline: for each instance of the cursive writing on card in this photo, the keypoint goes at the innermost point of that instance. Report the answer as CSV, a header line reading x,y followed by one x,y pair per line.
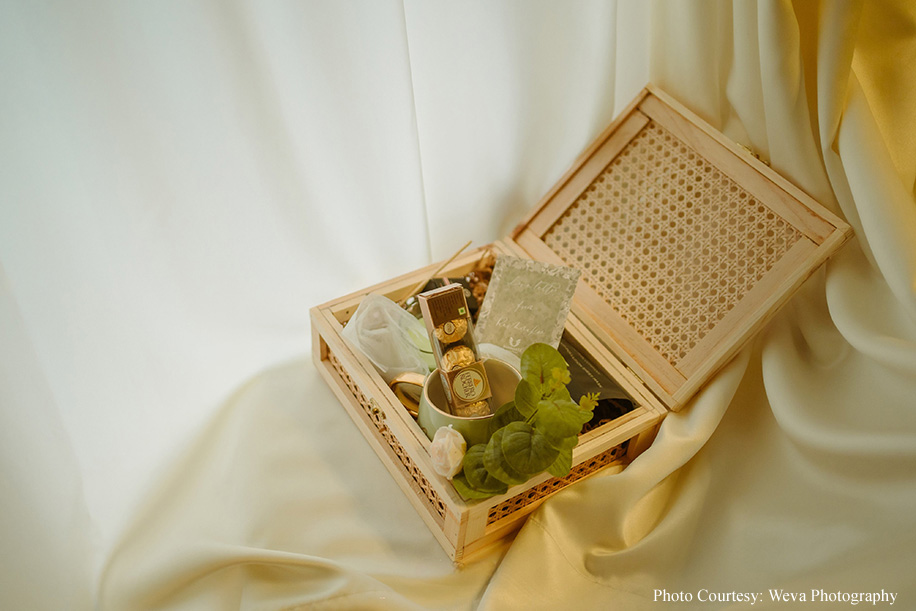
x,y
527,302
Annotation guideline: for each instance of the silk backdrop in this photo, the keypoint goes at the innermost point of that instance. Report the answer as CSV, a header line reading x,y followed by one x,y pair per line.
x,y
180,182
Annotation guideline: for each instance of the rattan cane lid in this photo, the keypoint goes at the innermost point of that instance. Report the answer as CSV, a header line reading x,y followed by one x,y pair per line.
x,y
686,243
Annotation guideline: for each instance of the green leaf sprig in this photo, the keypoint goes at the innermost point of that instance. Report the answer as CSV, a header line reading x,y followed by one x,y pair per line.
x,y
537,431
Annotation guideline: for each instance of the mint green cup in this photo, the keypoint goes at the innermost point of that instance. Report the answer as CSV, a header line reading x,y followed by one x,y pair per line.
x,y
432,405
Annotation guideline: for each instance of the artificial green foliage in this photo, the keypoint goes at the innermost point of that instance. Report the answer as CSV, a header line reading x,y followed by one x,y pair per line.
x,y
560,420
526,449
562,464
464,489
535,432
476,474
495,461
544,368
503,416
526,398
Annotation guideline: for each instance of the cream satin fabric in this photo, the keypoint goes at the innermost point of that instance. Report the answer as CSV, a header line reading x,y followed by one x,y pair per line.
x,y
180,182
795,468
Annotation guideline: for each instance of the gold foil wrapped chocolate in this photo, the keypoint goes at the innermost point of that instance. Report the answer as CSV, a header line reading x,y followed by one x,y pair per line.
x,y
456,358
480,408
451,333
452,330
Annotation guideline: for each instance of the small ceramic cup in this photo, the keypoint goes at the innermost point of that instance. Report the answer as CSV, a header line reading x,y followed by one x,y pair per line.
x,y
423,398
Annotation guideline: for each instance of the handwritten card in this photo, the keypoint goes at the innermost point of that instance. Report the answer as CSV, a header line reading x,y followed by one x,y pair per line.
x,y
527,302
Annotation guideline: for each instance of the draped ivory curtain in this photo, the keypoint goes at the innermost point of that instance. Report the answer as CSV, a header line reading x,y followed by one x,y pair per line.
x,y
180,182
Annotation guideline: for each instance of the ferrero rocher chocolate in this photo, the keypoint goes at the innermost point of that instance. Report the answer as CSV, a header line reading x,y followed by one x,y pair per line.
x,y
451,333
452,330
456,358
481,408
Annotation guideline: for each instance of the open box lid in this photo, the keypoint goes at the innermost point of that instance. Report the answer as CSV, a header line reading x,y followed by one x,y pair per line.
x,y
687,244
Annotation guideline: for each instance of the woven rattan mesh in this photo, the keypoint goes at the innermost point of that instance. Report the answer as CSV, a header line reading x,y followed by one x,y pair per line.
x,y
504,509
377,418
511,505
669,241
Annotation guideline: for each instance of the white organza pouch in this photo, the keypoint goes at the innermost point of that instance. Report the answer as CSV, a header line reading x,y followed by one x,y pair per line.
x,y
392,338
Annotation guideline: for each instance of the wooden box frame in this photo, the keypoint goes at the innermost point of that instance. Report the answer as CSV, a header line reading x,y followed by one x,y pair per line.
x,y
696,245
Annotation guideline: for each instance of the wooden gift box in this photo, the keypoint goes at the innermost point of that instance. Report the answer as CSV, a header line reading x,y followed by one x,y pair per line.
x,y
687,246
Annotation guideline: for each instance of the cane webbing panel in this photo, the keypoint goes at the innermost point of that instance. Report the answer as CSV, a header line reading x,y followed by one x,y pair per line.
x,y
420,484
536,493
669,241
